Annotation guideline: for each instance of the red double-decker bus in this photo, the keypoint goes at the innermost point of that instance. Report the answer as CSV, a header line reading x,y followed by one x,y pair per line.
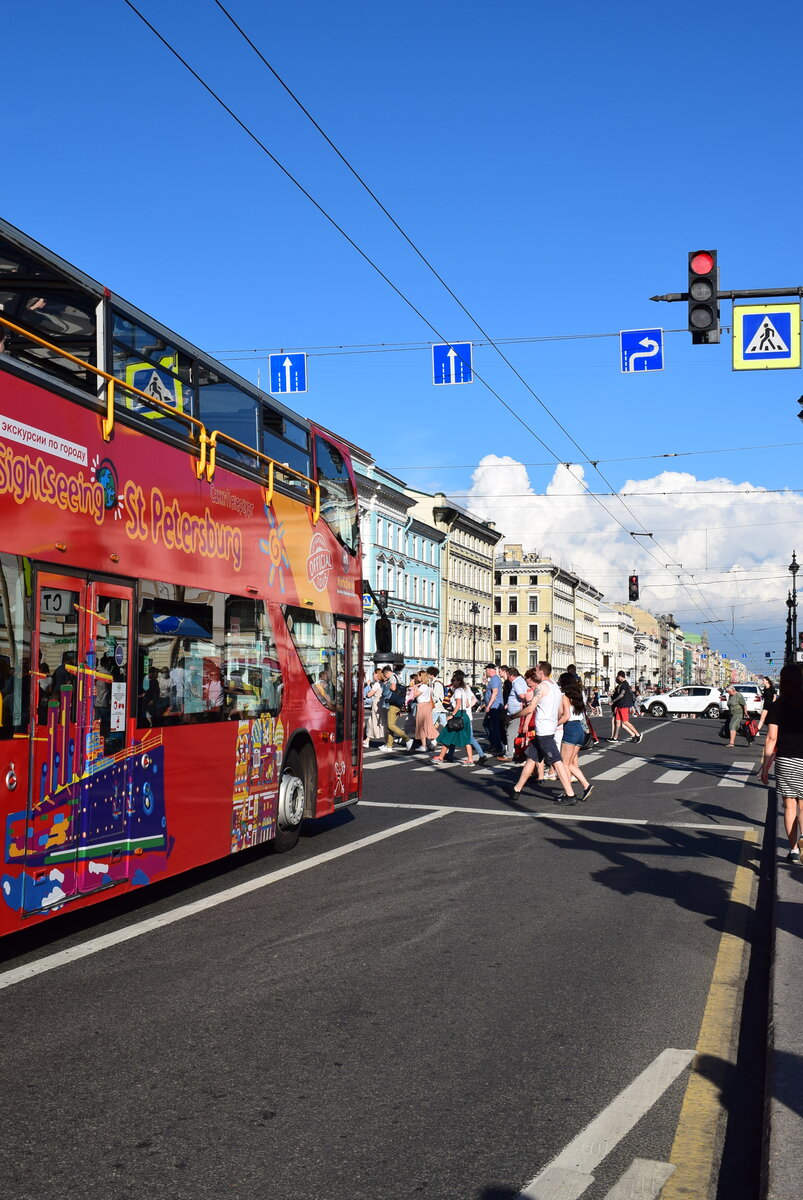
x,y
180,601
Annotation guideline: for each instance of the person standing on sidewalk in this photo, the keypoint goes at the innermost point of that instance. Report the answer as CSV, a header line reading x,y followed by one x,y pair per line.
x,y
784,748
494,712
544,749
622,701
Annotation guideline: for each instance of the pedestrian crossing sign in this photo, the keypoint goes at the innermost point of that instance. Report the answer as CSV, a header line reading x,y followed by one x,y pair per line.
x,y
766,336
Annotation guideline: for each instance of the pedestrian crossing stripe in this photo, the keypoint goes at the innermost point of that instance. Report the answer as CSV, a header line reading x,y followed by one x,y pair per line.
x,y
766,336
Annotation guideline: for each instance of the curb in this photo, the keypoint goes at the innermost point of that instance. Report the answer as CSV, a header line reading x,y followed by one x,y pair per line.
x,y
783,1114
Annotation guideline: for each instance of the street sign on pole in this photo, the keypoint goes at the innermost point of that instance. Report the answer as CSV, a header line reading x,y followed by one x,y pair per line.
x,y
641,350
766,336
288,372
452,363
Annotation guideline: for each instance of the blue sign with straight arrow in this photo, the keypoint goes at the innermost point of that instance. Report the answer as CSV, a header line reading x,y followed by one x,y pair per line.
x,y
452,363
288,372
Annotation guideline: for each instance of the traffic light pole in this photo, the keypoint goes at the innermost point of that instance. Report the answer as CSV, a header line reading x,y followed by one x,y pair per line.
x,y
744,294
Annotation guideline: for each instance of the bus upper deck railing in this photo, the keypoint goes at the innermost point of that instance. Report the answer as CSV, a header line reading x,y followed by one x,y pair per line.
x,y
207,442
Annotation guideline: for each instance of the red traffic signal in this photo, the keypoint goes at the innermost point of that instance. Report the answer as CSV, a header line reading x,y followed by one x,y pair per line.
x,y
632,587
703,288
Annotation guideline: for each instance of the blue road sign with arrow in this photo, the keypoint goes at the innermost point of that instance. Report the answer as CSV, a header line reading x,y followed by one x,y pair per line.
x,y
452,363
288,372
641,350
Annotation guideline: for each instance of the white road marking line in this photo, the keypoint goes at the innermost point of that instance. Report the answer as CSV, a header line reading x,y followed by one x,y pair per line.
x,y
672,777
554,815
60,959
572,1168
642,1180
623,768
737,775
377,766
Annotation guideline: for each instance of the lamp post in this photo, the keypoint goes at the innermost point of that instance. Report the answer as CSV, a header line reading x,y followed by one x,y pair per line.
x,y
474,609
547,631
789,605
794,567
596,672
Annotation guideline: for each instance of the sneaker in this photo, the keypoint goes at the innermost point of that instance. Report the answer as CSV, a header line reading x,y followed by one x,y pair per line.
x,y
409,743
482,760
385,749
567,800
587,791
793,856
611,739
637,738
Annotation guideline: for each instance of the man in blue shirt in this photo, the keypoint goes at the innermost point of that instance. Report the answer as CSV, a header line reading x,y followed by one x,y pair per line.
x,y
494,712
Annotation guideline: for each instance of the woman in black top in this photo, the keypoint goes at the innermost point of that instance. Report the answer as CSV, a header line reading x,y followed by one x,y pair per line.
x,y
784,747
767,698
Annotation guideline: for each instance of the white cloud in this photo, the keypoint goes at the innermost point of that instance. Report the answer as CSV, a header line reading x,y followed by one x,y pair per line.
x,y
700,525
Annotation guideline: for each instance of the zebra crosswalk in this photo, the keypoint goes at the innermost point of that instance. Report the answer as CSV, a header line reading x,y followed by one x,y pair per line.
x,y
731,774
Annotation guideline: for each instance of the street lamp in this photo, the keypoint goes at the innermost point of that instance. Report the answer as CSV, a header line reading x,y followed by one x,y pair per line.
x,y
547,631
596,672
474,609
794,567
789,606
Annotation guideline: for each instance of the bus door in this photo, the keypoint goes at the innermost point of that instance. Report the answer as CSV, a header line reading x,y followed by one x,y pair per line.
x,y
79,778
349,710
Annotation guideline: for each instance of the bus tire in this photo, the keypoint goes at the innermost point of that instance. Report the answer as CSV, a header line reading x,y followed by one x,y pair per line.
x,y
293,787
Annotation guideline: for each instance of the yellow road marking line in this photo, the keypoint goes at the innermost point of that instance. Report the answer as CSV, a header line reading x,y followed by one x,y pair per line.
x,y
696,1137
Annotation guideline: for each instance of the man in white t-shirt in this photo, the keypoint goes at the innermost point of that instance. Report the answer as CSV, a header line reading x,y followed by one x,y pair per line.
x,y
544,749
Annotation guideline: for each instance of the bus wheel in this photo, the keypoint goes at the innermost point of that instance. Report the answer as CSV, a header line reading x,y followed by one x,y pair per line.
x,y
292,799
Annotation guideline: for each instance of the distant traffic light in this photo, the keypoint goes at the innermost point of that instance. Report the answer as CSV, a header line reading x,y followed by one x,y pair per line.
x,y
383,632
703,304
800,414
632,586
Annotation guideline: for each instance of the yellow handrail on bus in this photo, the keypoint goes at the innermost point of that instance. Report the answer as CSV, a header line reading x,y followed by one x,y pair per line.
x,y
272,463
107,423
207,441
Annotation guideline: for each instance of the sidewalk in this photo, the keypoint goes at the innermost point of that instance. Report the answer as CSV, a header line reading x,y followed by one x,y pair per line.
x,y
783,1115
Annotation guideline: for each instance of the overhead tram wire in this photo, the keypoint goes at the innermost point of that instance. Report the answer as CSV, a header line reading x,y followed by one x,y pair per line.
x,y
250,133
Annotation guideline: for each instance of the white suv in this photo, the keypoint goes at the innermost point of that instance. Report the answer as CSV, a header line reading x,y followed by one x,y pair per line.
x,y
705,700
753,698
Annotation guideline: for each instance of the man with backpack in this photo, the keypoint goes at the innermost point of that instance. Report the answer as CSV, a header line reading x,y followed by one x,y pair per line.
x,y
622,702
392,702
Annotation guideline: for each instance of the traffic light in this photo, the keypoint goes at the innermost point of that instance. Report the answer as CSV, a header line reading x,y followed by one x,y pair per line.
x,y
383,632
632,586
703,304
800,414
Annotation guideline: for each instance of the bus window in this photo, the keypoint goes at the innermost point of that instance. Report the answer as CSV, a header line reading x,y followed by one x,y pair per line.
x,y
149,363
314,637
285,442
15,647
338,502
233,411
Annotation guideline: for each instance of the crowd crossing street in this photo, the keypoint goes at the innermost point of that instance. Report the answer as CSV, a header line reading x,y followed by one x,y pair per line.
x,y
501,998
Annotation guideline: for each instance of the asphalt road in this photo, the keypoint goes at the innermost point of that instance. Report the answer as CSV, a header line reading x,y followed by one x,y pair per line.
x,y
441,993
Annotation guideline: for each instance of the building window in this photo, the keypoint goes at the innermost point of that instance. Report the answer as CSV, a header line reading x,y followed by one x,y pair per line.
x,y
512,658
533,658
498,578
497,603
512,633
512,604
533,604
497,633
533,581
514,581
605,639
533,633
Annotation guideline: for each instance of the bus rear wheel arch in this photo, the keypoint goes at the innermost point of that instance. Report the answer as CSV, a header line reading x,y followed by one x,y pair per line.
x,y
297,787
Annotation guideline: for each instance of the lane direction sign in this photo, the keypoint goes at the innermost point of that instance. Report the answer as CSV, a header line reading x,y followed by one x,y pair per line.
x,y
766,336
287,372
452,363
641,350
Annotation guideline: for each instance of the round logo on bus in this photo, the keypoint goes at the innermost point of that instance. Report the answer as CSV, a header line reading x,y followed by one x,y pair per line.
x,y
319,562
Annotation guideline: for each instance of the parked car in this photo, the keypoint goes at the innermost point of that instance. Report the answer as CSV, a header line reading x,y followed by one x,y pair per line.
x,y
753,698
705,700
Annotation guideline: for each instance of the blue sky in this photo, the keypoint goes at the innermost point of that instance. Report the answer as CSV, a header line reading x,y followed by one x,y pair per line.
x,y
555,163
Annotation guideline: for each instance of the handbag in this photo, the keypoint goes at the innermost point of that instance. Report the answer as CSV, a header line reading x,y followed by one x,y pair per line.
x,y
456,724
